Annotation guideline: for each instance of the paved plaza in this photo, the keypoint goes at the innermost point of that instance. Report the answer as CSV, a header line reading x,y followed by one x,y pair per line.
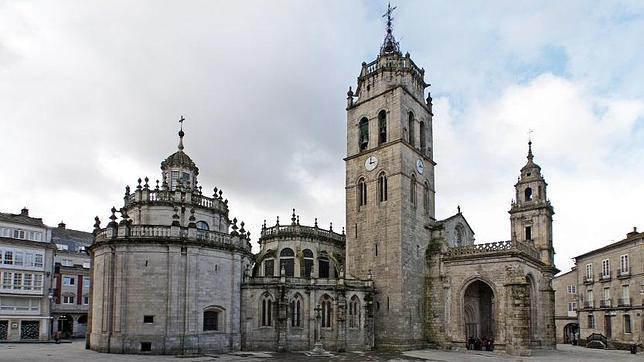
x,y
76,352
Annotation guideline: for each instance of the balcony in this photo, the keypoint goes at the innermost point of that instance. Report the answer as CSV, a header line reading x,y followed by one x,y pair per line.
x,y
605,303
624,273
589,305
624,302
588,280
605,277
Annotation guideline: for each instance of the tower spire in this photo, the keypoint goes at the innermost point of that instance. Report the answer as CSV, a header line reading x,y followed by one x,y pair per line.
x,y
181,133
390,45
530,156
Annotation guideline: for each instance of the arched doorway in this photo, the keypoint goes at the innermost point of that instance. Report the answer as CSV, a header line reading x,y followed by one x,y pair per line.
x,y
478,311
570,333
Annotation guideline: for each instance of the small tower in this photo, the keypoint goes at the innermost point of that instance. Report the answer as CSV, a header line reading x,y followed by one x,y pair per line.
x,y
179,169
531,212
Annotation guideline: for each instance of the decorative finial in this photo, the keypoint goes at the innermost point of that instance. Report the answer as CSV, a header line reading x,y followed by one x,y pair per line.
x,y
343,230
181,133
458,208
293,218
138,187
264,224
316,222
350,92
530,156
298,219
390,45
157,187
127,190
97,223
242,230
146,186
215,194
331,226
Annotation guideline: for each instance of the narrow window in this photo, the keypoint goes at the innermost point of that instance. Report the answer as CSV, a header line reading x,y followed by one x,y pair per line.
x,y
287,261
589,272
148,319
528,194
426,198
627,323
174,176
308,262
354,312
412,190
267,311
323,266
591,321
382,127
376,245
410,128
382,187
623,264
528,232
605,268
296,312
362,192
327,312
423,140
211,320
363,140
269,268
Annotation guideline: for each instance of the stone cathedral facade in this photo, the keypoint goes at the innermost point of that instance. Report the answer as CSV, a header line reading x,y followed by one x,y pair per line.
x,y
177,275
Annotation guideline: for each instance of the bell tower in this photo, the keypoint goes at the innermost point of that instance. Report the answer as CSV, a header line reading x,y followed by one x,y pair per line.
x,y
531,212
390,189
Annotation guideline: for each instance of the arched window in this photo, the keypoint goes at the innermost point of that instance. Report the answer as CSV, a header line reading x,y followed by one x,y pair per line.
x,y
287,261
323,266
296,311
212,319
426,197
423,140
327,311
410,128
382,127
308,263
354,312
528,194
202,230
362,192
269,268
267,311
363,140
412,189
382,187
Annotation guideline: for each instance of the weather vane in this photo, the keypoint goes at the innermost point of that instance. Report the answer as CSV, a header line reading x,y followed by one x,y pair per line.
x,y
390,10
530,131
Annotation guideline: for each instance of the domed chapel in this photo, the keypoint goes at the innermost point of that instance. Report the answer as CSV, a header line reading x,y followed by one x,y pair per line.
x,y
174,274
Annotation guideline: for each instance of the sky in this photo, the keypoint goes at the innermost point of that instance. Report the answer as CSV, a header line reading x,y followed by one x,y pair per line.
x,y
91,93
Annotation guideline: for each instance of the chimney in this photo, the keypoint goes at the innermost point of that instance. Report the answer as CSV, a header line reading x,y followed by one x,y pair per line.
x,y
61,225
632,233
24,211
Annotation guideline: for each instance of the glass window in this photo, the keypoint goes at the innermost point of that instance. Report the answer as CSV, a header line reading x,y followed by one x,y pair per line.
x,y
605,268
8,257
296,312
18,259
38,260
86,282
85,299
623,263
327,312
269,269
17,280
28,278
287,262
362,192
68,281
174,176
6,280
308,262
323,267
382,187
267,311
589,271
627,323
68,299
37,281
354,312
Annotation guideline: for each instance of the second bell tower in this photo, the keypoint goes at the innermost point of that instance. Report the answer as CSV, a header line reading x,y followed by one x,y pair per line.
x,y
390,190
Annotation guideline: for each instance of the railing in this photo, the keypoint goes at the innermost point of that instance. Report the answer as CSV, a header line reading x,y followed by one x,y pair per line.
x,y
495,247
302,231
392,64
589,304
604,277
163,232
605,303
152,195
624,302
588,280
624,273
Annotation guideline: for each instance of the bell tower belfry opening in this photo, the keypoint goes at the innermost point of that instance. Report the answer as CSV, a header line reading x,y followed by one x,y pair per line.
x,y
390,189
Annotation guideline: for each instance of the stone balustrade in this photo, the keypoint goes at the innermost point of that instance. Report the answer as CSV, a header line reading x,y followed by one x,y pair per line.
x,y
170,233
491,248
165,196
312,232
402,63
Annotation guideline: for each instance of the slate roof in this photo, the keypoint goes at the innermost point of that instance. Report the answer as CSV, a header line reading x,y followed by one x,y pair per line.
x,y
74,239
21,219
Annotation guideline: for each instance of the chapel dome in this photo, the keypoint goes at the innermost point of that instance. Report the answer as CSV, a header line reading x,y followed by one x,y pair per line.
x,y
179,159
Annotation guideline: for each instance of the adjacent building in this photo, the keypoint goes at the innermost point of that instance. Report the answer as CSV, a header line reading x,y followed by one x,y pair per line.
x,y
72,281
610,284
567,307
26,262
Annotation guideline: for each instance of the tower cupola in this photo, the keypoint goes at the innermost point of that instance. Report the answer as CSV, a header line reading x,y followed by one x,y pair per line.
x,y
178,168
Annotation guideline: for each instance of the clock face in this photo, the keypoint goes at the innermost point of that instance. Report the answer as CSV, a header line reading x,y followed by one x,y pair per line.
x,y
371,163
420,166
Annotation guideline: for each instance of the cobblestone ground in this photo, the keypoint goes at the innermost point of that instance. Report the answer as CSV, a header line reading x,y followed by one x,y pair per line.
x,y
76,352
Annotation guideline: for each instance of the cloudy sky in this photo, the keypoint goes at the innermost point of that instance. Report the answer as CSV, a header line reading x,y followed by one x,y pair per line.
x,y
90,95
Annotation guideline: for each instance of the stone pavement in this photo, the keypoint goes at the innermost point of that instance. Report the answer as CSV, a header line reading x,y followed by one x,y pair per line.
x,y
76,352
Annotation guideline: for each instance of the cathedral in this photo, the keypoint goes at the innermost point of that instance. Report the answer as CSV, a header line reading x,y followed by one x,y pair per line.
x,y
177,275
